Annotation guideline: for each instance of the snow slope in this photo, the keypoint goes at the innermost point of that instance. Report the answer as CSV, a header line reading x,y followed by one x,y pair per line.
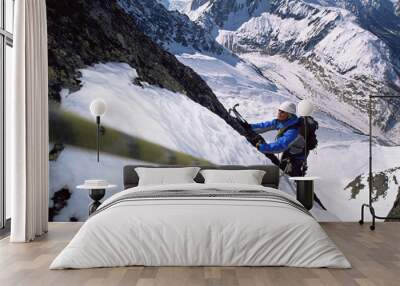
x,y
240,83
159,115
342,154
340,163
163,117
300,82
137,111
176,5
73,167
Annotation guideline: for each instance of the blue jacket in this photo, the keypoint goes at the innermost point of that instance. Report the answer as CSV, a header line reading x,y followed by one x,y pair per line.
x,y
282,143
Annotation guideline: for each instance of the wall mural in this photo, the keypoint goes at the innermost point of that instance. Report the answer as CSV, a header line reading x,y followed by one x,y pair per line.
x,y
170,70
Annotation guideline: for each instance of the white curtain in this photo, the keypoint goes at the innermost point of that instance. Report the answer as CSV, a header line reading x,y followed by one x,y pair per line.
x,y
27,123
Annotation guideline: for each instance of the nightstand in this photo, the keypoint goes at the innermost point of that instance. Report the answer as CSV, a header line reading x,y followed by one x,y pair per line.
x,y
97,190
305,190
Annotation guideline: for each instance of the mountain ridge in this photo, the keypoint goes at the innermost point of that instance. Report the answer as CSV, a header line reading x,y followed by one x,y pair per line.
x,y
347,61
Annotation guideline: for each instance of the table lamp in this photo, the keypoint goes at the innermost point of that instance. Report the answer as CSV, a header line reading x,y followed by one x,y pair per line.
x,y
98,108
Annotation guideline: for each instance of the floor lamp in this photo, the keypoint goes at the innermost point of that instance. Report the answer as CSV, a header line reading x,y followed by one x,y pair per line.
x,y
370,175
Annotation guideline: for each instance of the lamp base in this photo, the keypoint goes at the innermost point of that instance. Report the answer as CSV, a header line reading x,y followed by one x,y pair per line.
x,y
374,216
96,195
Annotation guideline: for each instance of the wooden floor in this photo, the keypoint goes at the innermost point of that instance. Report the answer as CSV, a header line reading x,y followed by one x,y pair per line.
x,y
375,257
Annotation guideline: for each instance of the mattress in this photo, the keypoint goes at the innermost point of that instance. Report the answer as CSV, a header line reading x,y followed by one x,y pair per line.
x,y
201,225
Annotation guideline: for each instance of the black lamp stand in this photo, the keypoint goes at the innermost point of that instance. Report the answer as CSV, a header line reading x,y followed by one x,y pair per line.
x,y
370,175
97,137
96,195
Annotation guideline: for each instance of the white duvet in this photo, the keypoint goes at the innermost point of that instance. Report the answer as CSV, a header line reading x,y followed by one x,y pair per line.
x,y
200,231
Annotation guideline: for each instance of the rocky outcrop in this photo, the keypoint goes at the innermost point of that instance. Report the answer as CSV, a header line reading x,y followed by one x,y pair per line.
x,y
59,200
382,183
395,211
170,29
195,4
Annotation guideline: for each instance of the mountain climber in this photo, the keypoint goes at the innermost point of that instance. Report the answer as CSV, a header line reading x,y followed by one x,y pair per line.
x,y
288,141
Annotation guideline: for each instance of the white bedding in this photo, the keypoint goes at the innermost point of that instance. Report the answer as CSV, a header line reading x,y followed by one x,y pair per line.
x,y
203,231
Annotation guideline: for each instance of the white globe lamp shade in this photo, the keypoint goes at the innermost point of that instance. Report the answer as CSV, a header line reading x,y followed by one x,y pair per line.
x,y
98,107
305,108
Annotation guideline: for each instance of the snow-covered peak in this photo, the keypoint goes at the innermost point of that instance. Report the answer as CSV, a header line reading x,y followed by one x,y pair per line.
x,y
176,5
227,14
396,4
171,29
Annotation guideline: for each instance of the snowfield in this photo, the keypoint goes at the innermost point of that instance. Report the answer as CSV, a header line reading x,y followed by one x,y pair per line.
x,y
73,167
342,154
339,163
174,121
159,116
301,83
237,83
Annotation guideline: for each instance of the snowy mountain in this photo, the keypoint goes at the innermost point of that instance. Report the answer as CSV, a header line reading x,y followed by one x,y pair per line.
x,y
377,16
179,102
343,150
170,29
343,51
342,154
177,5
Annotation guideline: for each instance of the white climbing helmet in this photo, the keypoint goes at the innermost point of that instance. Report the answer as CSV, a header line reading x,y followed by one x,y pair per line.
x,y
288,107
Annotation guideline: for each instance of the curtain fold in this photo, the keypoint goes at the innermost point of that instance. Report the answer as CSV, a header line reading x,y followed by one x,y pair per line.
x,y
27,120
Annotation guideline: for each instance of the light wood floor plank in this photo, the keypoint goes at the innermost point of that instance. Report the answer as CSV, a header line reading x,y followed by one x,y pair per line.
x,y
375,257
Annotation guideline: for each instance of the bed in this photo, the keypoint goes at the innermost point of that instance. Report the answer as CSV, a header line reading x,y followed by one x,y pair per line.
x,y
198,224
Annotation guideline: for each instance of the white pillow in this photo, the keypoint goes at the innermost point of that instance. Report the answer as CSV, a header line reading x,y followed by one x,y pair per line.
x,y
247,177
165,176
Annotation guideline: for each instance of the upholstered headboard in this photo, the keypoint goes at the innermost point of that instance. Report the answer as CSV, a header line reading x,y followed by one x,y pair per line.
x,y
271,177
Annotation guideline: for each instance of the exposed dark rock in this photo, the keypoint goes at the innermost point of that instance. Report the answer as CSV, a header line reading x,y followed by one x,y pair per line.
x,y
60,200
382,183
355,186
395,211
197,4
56,151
